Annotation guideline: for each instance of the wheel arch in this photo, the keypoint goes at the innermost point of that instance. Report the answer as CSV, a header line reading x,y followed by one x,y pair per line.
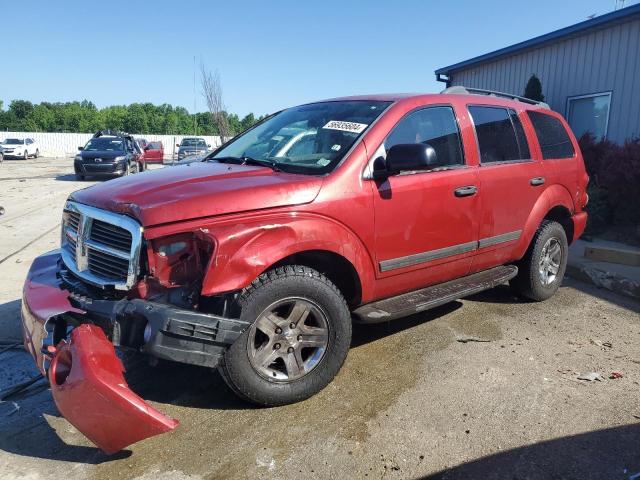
x,y
333,266
556,204
562,215
245,251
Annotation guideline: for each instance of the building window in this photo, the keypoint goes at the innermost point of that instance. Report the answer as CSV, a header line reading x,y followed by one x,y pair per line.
x,y
589,113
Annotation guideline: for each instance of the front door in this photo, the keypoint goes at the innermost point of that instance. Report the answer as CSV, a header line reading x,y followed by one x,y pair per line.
x,y
426,221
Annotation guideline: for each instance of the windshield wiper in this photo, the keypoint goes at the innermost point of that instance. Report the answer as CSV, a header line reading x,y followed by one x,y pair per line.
x,y
248,161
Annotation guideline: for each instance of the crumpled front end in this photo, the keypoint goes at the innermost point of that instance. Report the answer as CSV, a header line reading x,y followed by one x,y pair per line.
x,y
85,374
42,300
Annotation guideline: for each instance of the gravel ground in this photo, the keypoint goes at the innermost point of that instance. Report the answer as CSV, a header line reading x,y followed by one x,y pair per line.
x,y
411,401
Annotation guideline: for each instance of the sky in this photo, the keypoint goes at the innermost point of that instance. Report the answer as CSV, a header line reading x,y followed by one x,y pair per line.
x,y
269,54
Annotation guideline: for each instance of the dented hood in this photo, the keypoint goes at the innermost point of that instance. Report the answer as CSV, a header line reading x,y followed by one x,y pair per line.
x,y
198,190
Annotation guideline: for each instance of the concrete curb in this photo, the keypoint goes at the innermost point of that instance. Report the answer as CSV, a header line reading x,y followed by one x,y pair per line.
x,y
604,279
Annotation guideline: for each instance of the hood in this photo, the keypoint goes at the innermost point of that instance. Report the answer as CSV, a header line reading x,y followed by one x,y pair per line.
x,y
199,190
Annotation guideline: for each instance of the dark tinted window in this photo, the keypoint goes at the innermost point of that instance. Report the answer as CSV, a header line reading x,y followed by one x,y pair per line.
x,y
554,139
522,138
496,135
434,125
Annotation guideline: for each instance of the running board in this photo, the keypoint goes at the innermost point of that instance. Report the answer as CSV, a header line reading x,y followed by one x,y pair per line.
x,y
434,296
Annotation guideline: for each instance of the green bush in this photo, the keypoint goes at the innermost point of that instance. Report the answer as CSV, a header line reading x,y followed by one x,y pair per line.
x,y
614,172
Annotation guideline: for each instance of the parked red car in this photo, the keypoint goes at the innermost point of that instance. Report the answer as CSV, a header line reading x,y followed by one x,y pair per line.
x,y
256,260
154,152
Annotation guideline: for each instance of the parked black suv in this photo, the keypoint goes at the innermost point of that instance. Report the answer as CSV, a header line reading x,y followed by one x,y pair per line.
x,y
109,153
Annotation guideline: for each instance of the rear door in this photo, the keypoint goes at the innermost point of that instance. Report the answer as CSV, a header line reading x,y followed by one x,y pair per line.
x,y
510,179
426,221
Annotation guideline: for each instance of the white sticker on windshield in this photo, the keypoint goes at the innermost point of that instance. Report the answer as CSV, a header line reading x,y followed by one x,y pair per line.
x,y
323,162
346,126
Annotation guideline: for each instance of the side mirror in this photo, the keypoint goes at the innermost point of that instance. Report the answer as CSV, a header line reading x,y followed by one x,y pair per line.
x,y
208,145
177,144
147,148
411,156
80,148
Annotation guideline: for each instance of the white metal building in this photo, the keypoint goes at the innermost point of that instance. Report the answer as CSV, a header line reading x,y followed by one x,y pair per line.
x,y
590,72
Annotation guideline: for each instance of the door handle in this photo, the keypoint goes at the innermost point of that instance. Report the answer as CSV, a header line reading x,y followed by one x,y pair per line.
x,y
465,191
535,181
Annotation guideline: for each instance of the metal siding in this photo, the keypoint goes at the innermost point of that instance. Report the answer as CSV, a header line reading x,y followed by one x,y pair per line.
x,y
601,60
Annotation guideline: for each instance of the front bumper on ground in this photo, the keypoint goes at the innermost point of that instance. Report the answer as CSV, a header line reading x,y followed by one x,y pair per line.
x,y
85,374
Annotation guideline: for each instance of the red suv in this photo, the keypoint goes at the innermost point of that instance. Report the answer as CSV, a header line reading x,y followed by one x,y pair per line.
x,y
257,259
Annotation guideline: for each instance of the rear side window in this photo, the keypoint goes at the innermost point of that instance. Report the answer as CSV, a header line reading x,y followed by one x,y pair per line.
x,y
496,132
552,136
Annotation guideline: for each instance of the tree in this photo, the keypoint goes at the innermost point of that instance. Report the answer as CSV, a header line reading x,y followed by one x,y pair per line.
x,y
212,93
533,90
247,122
21,108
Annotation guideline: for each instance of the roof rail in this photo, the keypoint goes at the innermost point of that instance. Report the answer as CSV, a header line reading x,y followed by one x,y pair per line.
x,y
459,89
111,133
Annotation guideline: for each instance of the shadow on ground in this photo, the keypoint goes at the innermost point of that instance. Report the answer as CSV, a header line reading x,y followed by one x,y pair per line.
x,y
613,453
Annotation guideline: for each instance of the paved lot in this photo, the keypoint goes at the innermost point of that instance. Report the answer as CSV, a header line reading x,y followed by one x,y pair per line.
x,y
410,402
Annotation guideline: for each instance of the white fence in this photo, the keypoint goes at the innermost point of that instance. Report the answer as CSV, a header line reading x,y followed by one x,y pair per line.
x,y
66,144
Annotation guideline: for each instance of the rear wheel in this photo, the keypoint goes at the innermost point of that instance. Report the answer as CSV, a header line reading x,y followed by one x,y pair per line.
x,y
298,340
541,271
37,153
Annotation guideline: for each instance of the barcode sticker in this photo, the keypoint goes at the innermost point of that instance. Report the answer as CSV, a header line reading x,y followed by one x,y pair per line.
x,y
346,126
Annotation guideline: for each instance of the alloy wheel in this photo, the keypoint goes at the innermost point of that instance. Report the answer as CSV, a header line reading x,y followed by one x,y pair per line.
x,y
288,340
550,259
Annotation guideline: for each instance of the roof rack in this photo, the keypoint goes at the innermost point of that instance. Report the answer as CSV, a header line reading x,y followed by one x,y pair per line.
x,y
459,89
111,133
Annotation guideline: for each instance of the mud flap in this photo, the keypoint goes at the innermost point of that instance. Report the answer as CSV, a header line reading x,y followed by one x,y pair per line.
x,y
90,391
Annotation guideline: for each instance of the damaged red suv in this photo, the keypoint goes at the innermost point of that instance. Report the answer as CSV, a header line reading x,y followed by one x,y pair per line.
x,y
257,260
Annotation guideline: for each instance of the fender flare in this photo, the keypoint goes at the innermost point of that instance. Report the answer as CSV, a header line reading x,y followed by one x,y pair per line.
x,y
244,251
553,196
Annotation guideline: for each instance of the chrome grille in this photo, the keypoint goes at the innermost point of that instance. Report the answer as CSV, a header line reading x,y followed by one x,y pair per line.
x,y
101,247
102,263
110,235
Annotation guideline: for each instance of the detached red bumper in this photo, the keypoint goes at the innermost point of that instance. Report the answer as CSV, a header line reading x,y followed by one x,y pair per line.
x,y
90,391
85,374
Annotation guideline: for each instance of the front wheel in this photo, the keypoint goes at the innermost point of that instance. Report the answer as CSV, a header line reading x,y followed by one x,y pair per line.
x,y
25,155
541,271
37,153
298,339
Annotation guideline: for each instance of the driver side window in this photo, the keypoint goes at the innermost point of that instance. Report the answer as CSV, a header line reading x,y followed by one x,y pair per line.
x,y
435,126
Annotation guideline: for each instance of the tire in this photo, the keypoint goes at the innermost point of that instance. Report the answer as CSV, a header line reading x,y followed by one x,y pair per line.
x,y
289,291
25,155
37,153
1,157
127,170
536,279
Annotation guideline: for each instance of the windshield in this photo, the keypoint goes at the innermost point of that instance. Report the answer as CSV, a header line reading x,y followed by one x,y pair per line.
x,y
193,142
105,145
13,141
308,139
